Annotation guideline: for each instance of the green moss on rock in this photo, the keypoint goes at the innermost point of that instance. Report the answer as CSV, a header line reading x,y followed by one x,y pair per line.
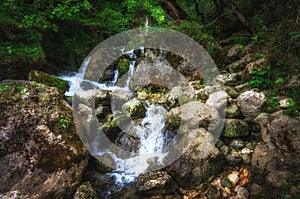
x,y
48,80
123,66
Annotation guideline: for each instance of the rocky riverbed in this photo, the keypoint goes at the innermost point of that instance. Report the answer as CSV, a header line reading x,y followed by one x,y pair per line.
x,y
255,156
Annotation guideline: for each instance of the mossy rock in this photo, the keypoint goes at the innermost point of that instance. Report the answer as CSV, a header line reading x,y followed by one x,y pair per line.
x,y
235,128
123,66
48,80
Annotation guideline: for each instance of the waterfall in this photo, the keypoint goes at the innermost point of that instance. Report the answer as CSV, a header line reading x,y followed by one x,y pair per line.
x,y
149,132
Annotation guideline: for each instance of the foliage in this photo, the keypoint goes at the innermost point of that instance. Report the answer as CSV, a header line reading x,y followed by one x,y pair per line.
x,y
261,78
64,120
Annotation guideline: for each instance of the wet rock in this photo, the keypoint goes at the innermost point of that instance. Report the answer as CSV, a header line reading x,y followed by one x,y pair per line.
x,y
227,79
218,100
134,109
85,191
92,98
119,97
158,182
41,155
235,128
192,115
142,95
123,66
49,80
200,161
226,183
251,103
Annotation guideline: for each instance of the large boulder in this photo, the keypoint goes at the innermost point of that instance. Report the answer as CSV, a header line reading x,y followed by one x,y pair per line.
x,y
276,162
41,156
200,160
251,103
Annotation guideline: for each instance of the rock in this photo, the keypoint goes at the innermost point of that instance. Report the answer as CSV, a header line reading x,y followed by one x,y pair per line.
x,y
119,97
192,115
237,144
235,128
218,100
242,193
92,98
200,161
134,109
159,182
85,191
261,191
233,111
251,103
234,51
226,183
285,103
255,65
41,154
232,92
234,159
49,80
227,79
142,95
243,88
155,73
180,95
240,64
233,177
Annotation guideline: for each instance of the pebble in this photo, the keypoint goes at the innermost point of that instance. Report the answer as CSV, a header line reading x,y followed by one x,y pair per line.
x,y
246,151
226,183
233,177
237,144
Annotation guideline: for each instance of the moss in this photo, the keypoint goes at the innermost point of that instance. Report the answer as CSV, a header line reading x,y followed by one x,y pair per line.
x,y
123,66
48,80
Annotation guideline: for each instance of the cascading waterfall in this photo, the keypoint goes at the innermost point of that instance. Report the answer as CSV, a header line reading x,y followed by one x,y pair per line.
x,y
150,132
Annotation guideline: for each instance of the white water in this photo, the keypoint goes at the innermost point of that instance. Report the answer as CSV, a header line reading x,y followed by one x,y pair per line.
x,y
150,132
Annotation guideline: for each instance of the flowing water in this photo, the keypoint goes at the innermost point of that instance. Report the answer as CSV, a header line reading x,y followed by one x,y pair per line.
x,y
150,132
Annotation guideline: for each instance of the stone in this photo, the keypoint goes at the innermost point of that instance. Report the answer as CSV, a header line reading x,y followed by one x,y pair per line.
x,y
200,161
227,79
134,109
41,155
240,64
192,115
233,177
242,193
85,191
218,100
234,159
226,183
255,65
156,73
233,111
234,51
49,80
243,87
123,66
235,128
232,92
285,103
142,95
180,95
237,144
158,182
251,103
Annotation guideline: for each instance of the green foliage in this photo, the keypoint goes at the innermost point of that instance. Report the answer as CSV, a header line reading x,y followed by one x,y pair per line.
x,y
64,120
271,101
259,56
261,78
293,109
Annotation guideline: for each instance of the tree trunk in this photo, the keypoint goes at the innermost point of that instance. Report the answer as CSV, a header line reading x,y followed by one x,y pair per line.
x,y
173,9
240,16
